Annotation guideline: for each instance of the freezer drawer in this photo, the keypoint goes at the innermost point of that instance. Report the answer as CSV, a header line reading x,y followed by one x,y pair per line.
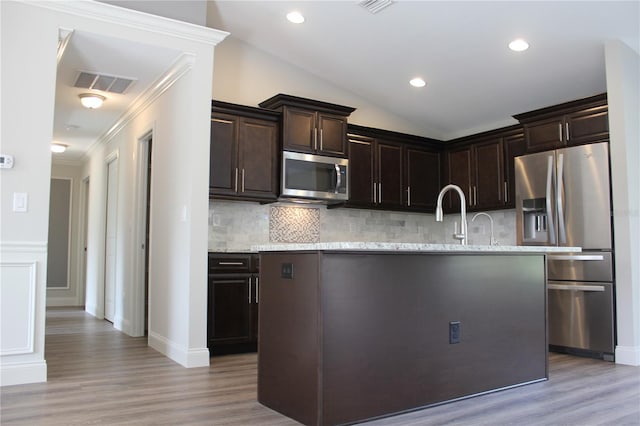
x,y
585,266
581,315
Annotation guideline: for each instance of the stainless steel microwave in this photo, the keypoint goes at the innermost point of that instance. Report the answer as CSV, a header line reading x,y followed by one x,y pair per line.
x,y
314,177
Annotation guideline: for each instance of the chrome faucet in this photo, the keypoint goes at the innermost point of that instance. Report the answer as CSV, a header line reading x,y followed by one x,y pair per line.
x,y
462,236
492,241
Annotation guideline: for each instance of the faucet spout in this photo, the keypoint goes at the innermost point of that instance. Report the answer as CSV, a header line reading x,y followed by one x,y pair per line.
x,y
492,241
462,236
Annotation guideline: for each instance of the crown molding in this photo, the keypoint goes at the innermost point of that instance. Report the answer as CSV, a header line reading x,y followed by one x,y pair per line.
x,y
134,19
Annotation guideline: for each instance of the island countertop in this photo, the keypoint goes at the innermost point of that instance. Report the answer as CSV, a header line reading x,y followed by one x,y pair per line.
x,y
409,247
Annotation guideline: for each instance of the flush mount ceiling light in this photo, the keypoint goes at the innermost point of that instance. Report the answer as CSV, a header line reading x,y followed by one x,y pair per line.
x,y
295,17
417,82
58,147
518,45
91,100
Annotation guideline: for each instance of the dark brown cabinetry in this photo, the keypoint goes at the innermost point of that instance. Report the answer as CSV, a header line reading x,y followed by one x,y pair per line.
x,y
244,153
482,166
388,170
573,123
311,126
232,303
478,170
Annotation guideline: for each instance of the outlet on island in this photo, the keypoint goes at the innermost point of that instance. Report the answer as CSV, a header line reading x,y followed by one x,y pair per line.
x,y
454,332
287,271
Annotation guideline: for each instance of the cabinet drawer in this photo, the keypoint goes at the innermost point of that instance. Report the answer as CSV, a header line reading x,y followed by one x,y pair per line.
x,y
229,262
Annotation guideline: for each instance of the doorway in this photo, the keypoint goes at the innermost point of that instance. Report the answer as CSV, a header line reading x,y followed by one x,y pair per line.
x,y
140,304
111,246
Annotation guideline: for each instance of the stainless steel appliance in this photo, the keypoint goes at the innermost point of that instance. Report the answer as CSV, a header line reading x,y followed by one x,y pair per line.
x,y
314,177
563,199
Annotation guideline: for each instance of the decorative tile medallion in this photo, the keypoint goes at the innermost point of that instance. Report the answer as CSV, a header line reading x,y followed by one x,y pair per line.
x,y
294,225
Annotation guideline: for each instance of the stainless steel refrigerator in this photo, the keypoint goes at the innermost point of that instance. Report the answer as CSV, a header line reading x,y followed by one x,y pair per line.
x,y
563,199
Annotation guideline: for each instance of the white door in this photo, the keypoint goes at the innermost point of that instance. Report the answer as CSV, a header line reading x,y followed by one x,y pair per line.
x,y
111,242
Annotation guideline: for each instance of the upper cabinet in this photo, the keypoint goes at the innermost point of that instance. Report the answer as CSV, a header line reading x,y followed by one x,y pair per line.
x,y
573,123
389,170
311,126
244,153
482,166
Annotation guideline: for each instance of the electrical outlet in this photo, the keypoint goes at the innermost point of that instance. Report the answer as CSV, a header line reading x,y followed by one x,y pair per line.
x,y
454,332
287,271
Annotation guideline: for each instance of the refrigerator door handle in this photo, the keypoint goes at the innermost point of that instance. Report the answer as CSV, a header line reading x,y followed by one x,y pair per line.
x,y
562,234
553,286
550,221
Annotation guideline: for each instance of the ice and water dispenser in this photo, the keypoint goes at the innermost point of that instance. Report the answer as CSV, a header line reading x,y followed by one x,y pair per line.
x,y
535,222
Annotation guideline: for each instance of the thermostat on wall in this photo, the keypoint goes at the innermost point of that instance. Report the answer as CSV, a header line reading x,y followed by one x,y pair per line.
x,y
6,161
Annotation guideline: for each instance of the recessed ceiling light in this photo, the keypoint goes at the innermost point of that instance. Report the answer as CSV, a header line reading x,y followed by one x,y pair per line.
x,y
58,147
417,82
518,45
295,17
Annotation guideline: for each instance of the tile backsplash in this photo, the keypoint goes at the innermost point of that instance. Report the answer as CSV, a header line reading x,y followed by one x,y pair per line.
x,y
237,225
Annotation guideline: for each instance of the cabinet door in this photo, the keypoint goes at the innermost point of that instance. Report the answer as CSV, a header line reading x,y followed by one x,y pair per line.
x,y
299,132
389,166
458,173
514,146
258,159
422,178
229,299
488,177
587,126
223,155
361,172
333,135
544,135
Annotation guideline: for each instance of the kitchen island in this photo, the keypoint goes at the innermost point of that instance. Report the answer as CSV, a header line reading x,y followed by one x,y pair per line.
x,y
354,331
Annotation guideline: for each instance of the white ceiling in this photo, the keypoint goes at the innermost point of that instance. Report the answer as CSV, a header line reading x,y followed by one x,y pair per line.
x,y
474,82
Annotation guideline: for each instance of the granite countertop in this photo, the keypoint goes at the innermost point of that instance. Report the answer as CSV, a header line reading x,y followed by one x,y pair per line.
x,y
410,247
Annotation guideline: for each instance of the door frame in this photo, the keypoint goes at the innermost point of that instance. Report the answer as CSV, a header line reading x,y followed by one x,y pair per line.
x,y
112,157
139,291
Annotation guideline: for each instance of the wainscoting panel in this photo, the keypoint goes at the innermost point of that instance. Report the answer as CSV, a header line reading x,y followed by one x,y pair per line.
x,y
17,308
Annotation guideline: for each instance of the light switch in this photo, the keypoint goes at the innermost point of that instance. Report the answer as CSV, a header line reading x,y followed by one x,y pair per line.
x,y
20,202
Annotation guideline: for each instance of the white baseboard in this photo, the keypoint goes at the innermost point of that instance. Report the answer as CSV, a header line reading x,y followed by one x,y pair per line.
x,y
23,373
63,301
189,358
628,355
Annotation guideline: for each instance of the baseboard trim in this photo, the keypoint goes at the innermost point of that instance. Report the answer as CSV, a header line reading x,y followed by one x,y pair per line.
x,y
189,358
23,373
63,301
628,355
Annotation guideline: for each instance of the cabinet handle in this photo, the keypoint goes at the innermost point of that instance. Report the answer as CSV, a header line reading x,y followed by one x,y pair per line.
x,y
375,191
475,195
566,126
315,138
408,196
506,192
321,140
235,185
380,193
230,263
249,290
560,131
256,292
242,180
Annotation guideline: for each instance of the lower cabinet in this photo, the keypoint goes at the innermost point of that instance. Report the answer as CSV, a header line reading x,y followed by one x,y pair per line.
x,y
232,303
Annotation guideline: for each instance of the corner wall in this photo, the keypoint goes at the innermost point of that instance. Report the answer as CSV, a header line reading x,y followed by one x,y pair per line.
x,y
623,87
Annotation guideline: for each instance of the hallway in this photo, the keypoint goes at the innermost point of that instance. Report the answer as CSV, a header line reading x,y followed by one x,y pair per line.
x,y
98,375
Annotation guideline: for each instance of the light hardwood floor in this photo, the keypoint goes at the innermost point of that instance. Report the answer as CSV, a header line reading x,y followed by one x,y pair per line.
x,y
98,376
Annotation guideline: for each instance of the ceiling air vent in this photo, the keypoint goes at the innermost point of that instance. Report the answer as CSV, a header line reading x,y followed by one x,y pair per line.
x,y
375,6
103,82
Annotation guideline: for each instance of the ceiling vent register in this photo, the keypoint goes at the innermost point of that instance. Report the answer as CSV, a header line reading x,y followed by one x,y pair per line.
x,y
103,82
375,6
